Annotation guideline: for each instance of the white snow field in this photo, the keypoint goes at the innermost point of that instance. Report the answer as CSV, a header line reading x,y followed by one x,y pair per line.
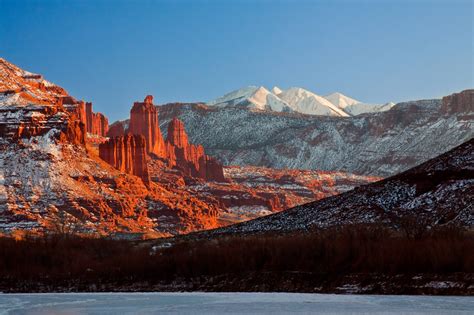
x,y
233,303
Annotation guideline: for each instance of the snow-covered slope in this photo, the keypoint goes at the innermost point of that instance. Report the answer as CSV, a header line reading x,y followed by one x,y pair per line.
x,y
21,88
276,90
252,97
306,102
361,108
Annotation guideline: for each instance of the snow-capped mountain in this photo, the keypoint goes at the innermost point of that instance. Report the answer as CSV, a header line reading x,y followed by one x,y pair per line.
x,y
298,100
306,102
58,169
253,97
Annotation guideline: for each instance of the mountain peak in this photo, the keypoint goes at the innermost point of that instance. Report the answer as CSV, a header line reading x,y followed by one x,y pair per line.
x,y
276,90
341,100
256,97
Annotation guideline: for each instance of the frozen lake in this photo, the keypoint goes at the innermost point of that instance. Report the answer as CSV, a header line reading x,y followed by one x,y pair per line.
x,y
235,303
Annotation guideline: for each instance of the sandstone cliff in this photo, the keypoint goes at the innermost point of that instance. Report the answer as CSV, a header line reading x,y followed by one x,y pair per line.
x,y
462,102
96,123
127,154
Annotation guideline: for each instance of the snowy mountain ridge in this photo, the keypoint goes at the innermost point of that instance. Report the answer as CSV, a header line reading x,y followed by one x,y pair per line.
x,y
306,102
253,97
297,99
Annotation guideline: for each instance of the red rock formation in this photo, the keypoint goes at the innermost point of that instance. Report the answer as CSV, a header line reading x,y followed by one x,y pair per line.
x,y
462,102
89,115
144,121
189,158
96,123
116,129
76,182
127,154
213,169
176,134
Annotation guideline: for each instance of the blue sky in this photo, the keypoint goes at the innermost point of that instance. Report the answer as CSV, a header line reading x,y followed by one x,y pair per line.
x,y
115,52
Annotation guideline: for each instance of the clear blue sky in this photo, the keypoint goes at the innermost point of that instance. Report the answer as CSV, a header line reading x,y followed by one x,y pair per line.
x,y
116,52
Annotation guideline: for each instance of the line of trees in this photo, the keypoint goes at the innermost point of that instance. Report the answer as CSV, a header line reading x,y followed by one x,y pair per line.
x,y
328,253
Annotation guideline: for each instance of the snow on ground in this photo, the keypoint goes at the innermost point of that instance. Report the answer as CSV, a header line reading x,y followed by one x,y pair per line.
x,y
234,303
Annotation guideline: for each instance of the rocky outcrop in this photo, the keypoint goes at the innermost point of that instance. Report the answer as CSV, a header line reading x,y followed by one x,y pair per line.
x,y
127,154
189,158
462,102
144,121
178,153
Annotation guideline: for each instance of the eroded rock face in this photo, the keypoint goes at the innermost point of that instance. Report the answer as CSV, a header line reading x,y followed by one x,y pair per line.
x,y
31,106
189,158
127,154
144,121
462,102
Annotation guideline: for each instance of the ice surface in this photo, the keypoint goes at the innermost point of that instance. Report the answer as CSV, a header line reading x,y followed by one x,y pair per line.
x,y
233,303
